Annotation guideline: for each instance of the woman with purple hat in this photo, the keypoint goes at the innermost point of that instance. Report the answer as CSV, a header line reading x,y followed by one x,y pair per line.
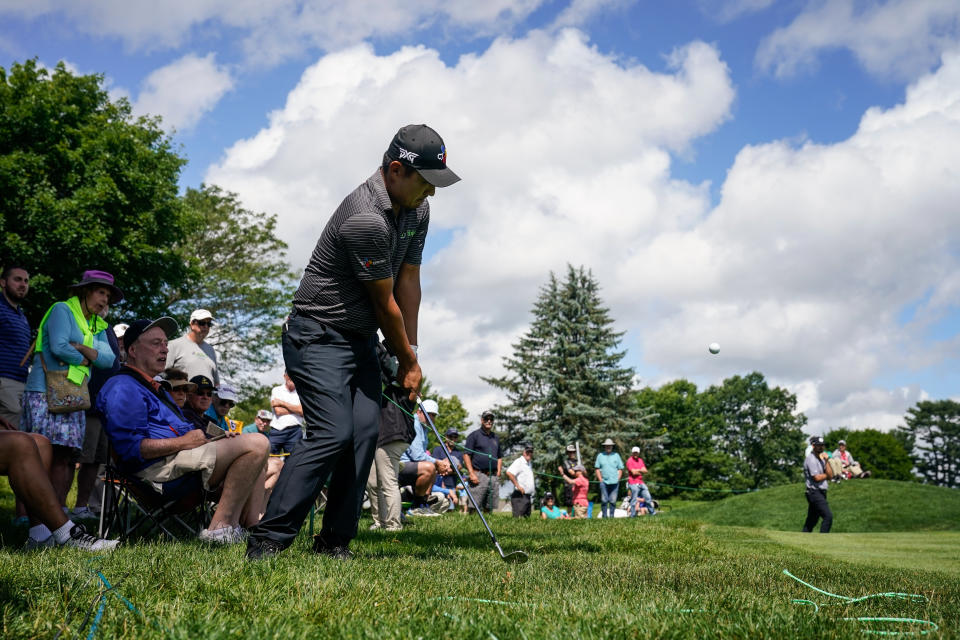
x,y
71,338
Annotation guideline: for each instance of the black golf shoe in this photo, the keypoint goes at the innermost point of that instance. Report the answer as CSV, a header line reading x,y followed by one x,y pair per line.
x,y
261,549
338,550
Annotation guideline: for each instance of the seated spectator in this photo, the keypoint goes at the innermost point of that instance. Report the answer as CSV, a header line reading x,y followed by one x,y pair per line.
x,y
224,399
580,487
154,441
198,402
642,508
448,481
178,385
464,499
261,424
25,460
419,469
843,465
287,428
549,509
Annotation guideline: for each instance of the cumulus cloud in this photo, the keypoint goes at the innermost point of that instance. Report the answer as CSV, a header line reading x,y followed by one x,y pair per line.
x,y
727,10
183,91
580,11
900,38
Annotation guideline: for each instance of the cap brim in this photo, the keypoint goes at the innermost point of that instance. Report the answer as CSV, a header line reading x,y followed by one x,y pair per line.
x,y
169,326
439,177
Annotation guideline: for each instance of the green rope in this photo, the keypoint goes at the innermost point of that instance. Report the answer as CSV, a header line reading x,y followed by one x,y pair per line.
x,y
481,600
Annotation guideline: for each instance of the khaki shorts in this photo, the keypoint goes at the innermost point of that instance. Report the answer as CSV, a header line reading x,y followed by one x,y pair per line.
x,y
202,459
579,511
11,400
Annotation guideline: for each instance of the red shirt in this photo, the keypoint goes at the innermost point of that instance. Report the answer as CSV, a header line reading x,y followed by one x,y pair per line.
x,y
635,463
580,486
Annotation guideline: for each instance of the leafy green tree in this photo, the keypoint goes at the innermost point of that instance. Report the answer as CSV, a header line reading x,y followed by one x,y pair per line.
x,y
85,185
565,382
236,268
760,428
689,455
881,453
933,426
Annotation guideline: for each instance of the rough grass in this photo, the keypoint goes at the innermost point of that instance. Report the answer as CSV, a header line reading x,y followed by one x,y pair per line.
x,y
858,506
649,577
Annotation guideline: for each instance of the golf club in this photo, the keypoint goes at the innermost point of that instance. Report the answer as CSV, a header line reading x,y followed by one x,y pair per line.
x,y
514,557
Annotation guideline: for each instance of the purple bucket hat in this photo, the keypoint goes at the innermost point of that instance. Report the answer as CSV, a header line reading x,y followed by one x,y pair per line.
x,y
94,276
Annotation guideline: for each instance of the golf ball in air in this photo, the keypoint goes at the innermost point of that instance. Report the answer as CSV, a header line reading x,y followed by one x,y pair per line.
x,y
714,347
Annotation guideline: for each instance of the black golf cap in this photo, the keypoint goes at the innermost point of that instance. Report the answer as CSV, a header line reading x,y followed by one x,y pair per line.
x,y
420,147
139,327
202,382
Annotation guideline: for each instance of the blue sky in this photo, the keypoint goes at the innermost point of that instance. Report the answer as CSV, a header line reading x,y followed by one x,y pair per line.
x,y
774,176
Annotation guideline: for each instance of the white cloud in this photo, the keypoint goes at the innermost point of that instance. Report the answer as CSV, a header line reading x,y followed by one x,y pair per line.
x,y
727,10
901,38
579,12
183,91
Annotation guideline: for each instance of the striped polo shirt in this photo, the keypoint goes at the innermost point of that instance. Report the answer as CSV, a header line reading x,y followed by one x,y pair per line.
x,y
362,241
14,340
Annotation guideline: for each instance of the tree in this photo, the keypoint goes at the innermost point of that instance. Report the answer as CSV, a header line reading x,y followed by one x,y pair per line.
x,y
452,412
236,268
85,185
689,455
933,426
760,428
883,454
565,382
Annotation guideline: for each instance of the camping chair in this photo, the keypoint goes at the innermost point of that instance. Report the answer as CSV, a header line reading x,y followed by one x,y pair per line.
x,y
133,508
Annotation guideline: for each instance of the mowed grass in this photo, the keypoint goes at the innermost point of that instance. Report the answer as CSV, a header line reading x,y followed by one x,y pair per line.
x,y
649,577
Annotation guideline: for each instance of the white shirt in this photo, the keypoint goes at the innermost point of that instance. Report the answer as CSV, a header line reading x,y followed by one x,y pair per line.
x,y
523,472
282,422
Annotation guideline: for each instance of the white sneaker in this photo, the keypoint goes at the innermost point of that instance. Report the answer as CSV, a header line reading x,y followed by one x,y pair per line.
x,y
80,539
374,527
422,511
241,533
223,535
33,545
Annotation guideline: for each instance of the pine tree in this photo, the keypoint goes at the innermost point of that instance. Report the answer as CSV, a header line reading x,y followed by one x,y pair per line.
x,y
564,381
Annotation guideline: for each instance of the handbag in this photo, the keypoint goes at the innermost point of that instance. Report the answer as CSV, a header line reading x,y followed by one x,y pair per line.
x,y
64,396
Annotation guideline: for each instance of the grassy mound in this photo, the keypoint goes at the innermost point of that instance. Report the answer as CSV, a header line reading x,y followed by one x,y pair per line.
x,y
858,506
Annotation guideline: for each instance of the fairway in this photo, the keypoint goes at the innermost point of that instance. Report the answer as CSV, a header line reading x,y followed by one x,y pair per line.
x,y
655,577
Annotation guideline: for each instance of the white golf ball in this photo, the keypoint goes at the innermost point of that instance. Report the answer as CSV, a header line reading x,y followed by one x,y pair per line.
x,y
714,347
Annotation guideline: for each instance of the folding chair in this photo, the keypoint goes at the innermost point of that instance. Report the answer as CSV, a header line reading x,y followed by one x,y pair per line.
x,y
132,508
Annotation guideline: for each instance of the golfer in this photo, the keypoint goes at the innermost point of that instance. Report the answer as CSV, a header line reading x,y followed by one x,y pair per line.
x,y
364,274
817,474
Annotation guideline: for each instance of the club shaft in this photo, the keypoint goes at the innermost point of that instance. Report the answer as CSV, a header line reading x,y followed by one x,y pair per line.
x,y
456,470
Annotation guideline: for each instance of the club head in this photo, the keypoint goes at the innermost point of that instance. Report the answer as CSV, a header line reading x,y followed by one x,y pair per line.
x,y
515,557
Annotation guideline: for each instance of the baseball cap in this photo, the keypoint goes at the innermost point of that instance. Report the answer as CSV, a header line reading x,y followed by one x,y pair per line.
x,y
816,440
263,414
486,414
120,329
548,496
420,147
608,442
842,442
431,406
189,387
201,314
452,433
579,467
202,382
635,450
226,392
139,327
572,448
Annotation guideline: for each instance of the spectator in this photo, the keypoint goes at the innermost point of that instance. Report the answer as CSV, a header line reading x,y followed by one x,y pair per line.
x,y
418,468
609,471
844,466
642,508
224,399
566,470
261,424
198,402
287,428
179,386
118,331
95,446
549,509
520,473
817,473
448,481
192,353
14,342
463,499
155,442
484,463
25,460
638,488
71,338
580,487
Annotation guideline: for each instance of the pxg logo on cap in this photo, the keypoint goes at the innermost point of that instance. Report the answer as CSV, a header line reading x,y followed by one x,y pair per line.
x,y
422,148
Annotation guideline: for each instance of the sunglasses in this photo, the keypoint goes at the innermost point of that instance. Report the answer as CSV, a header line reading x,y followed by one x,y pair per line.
x,y
203,323
205,394
226,403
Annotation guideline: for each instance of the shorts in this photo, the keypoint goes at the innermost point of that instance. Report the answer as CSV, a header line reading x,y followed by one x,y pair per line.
x,y
284,440
580,511
202,459
95,442
408,474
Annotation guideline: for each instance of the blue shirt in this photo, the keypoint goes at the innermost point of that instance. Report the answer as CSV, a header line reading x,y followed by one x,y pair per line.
x,y
132,412
14,341
417,451
215,417
60,330
608,464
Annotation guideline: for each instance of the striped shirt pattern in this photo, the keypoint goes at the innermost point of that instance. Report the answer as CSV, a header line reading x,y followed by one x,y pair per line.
x,y
14,340
363,241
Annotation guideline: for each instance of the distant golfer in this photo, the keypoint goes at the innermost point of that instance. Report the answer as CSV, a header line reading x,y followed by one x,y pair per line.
x,y
363,275
817,474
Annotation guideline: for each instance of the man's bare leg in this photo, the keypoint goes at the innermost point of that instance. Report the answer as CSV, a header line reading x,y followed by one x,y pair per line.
x,y
426,474
240,462
256,503
25,458
274,466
